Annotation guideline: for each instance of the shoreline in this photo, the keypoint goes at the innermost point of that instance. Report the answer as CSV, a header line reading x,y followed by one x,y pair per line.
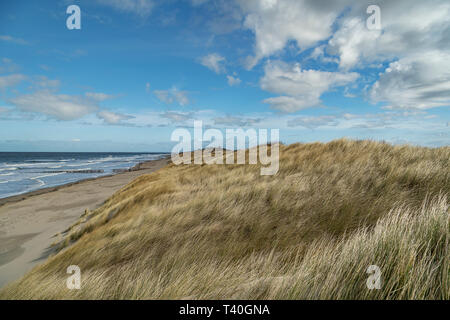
x,y
23,196
30,222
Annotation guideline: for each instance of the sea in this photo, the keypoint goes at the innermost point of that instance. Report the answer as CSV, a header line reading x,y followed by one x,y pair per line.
x,y
22,172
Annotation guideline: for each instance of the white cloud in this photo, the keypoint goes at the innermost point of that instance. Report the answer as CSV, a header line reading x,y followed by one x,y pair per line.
x,y
352,41
420,82
233,81
44,82
214,62
59,106
172,95
407,29
417,119
410,31
141,8
98,96
147,87
234,121
225,17
319,54
8,66
11,80
274,23
112,117
405,26
313,122
299,88
177,116
292,104
13,39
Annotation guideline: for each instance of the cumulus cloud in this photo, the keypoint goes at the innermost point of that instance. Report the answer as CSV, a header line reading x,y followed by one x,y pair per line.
x,y
233,81
113,118
11,80
407,28
353,41
141,8
214,62
172,95
274,23
414,38
319,54
59,106
299,89
420,82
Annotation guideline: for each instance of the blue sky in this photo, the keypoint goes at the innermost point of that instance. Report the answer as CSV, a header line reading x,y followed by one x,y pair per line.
x,y
138,69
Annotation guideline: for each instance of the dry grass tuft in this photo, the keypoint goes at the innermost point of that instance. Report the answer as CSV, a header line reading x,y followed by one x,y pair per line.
x,y
224,231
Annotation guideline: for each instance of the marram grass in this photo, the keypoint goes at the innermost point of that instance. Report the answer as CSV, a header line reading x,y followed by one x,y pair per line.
x,y
225,232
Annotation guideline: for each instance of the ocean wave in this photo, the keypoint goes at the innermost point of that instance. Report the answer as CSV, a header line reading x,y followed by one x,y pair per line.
x,y
78,164
47,175
23,175
29,165
41,183
6,174
11,168
43,160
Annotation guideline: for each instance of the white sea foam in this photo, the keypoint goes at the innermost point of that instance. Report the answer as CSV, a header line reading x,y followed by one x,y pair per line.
x,y
9,168
47,175
41,183
6,174
32,174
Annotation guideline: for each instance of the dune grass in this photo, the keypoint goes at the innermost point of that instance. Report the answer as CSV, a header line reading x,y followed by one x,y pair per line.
x,y
226,232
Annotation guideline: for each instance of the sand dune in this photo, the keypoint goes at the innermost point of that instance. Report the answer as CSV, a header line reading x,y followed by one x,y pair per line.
x,y
333,211
30,223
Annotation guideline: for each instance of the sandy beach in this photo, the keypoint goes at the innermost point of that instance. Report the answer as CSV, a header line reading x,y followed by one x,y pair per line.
x,y
29,222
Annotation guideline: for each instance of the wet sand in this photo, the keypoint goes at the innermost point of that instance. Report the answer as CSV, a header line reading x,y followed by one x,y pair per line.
x,y
29,222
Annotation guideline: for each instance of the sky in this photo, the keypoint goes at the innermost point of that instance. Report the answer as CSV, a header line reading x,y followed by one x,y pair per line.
x,y
136,70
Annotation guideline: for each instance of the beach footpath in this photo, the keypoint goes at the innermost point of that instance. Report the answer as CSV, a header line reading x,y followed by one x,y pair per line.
x,y
29,222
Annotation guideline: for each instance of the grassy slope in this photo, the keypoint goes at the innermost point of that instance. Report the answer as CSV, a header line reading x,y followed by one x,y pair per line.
x,y
224,231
